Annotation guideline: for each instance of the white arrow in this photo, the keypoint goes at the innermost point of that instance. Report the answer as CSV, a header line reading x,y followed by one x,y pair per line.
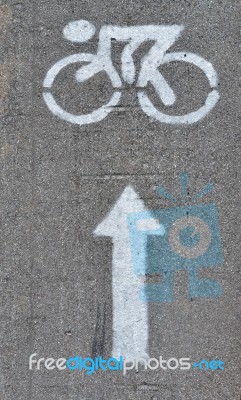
x,y
130,315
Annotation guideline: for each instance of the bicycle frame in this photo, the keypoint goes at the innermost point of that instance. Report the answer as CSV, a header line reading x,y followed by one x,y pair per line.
x,y
163,36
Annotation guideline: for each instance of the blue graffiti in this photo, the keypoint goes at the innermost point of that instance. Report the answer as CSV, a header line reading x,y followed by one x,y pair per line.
x,y
188,239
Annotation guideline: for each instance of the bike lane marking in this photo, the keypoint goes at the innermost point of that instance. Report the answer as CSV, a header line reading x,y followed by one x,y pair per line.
x,y
164,37
130,314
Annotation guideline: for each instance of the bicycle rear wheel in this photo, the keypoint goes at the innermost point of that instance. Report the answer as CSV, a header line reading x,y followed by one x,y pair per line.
x,y
190,118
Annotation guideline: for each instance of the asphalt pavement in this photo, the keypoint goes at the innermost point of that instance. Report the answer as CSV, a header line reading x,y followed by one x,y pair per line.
x,y
66,291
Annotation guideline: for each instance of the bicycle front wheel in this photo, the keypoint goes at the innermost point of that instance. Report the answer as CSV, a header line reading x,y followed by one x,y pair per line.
x,y
190,118
94,67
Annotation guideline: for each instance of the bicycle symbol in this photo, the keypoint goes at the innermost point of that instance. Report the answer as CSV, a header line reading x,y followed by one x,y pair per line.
x,y
163,36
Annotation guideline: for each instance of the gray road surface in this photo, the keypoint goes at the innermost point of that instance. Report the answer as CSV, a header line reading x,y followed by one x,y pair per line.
x,y
59,180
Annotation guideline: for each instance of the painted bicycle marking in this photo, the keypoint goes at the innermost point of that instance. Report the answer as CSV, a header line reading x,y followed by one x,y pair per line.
x,y
163,37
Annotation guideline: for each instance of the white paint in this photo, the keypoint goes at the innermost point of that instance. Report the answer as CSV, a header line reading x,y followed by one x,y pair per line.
x,y
130,315
96,115
148,224
79,31
150,75
163,36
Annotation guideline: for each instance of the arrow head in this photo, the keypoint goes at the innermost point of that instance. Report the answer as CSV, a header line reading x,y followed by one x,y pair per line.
x,y
116,221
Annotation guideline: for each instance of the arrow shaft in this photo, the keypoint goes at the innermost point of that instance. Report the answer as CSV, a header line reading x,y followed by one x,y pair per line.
x,y
130,315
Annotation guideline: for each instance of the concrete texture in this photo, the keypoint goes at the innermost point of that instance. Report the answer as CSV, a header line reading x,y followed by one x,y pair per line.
x,y
59,180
